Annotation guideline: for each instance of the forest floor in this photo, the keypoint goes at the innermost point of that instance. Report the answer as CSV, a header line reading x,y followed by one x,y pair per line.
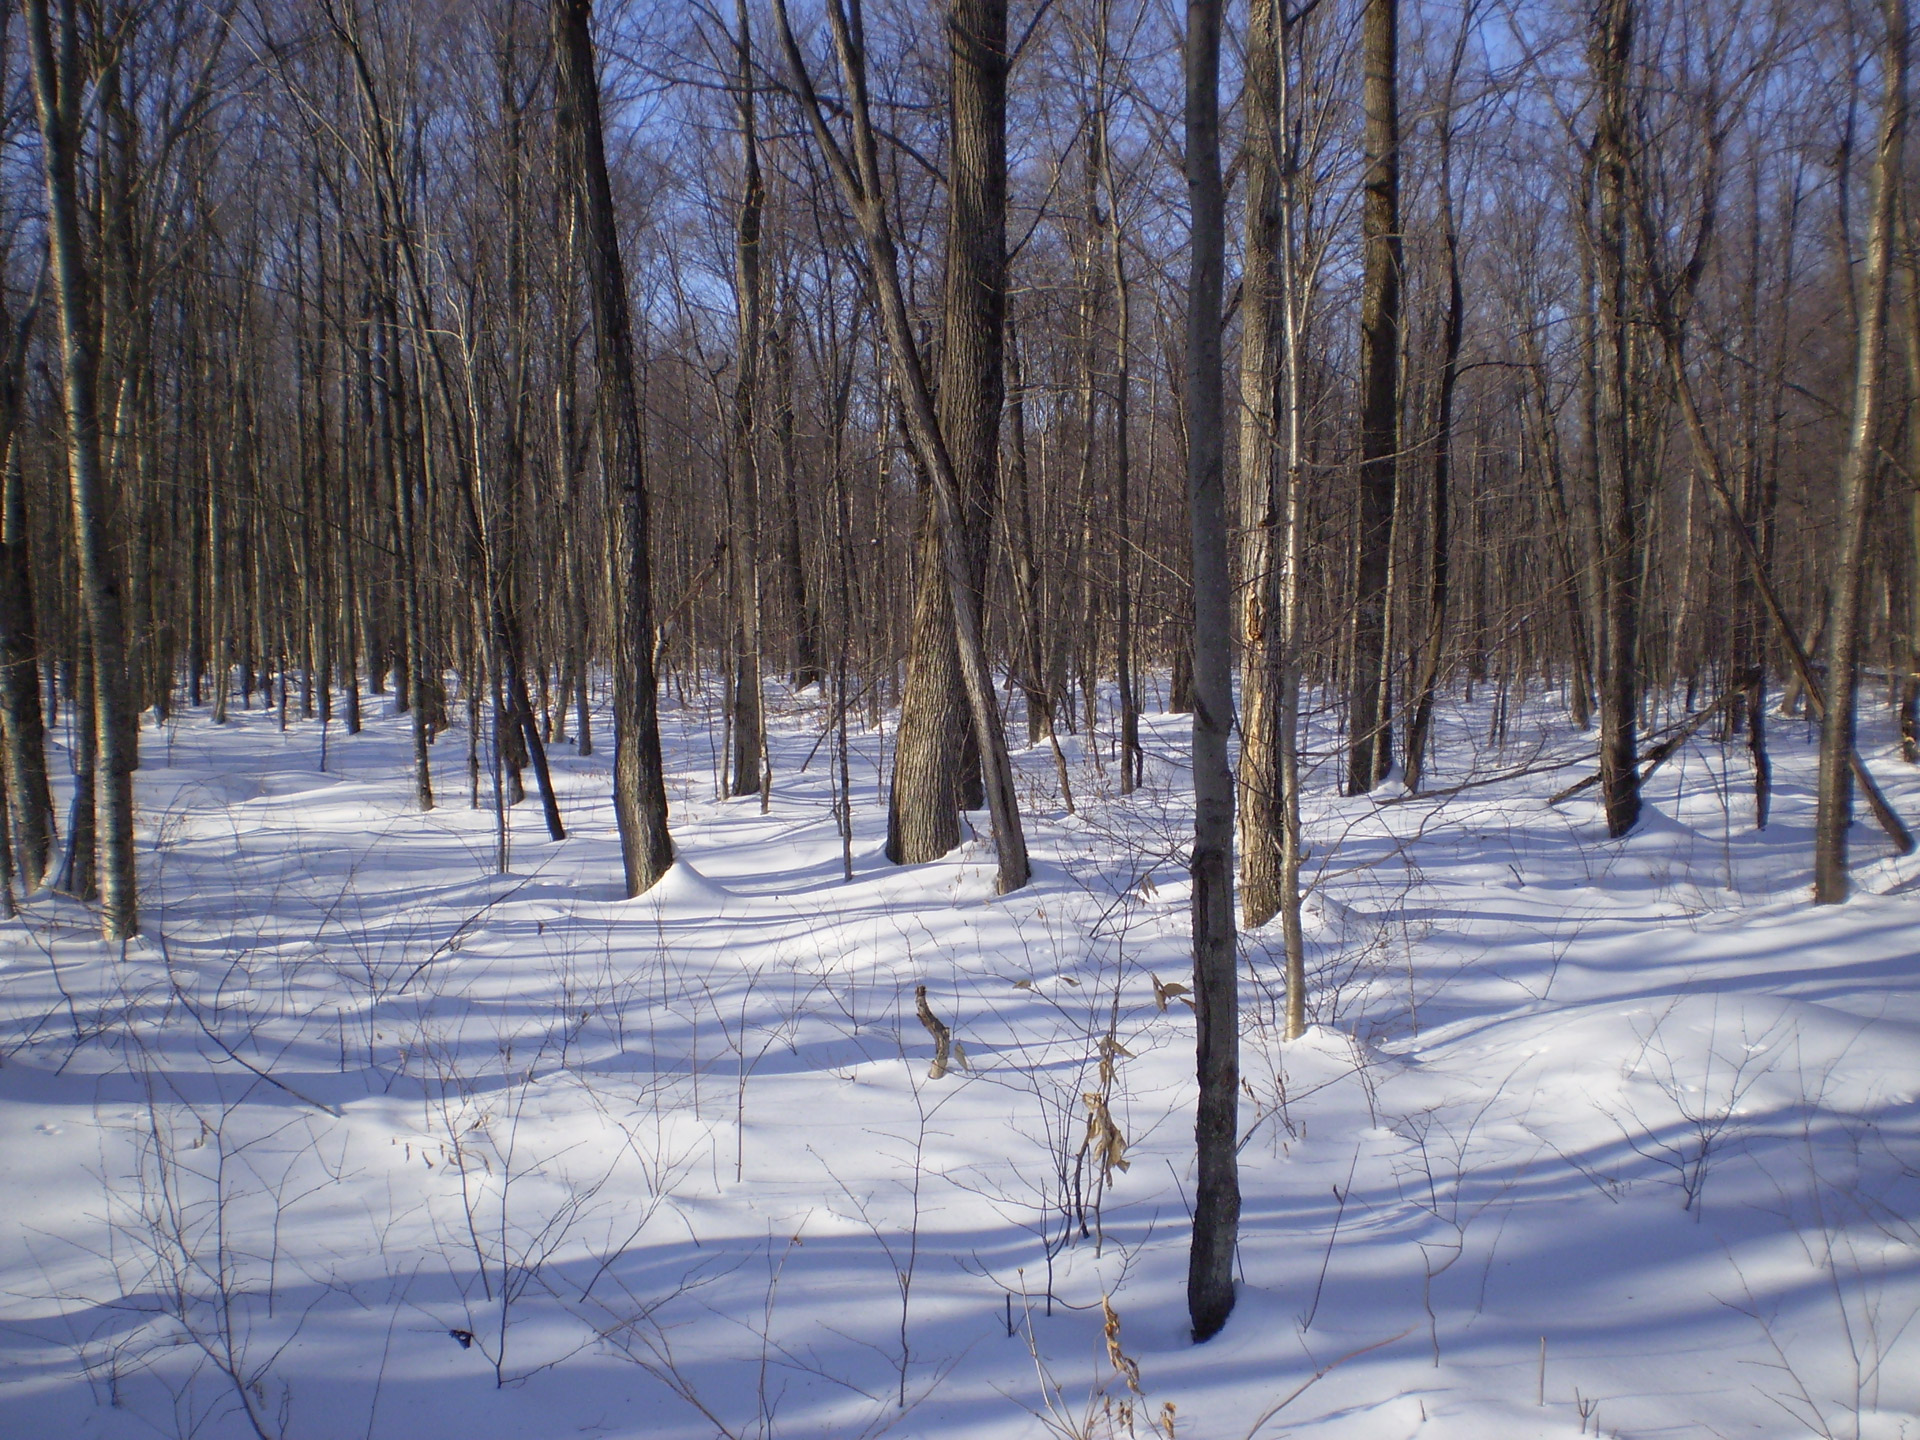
x,y
362,1138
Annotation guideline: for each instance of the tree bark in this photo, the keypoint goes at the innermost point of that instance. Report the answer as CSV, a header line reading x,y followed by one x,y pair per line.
x,y
639,780
1258,778
22,726
936,768
858,176
1834,810
1615,436
58,97
747,722
1439,544
1370,729
1216,1211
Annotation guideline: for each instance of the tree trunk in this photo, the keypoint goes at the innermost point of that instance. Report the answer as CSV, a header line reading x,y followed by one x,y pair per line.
x,y
639,781
972,390
859,179
22,727
1615,437
1370,730
1438,534
747,722
1258,779
1216,1210
58,98
1834,812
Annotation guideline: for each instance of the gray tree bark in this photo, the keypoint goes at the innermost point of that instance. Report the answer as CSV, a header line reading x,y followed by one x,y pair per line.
x,y
1834,811
1216,1209
58,90
1369,725
639,782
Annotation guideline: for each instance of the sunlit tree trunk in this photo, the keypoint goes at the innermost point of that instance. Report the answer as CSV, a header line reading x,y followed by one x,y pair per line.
x,y
1834,813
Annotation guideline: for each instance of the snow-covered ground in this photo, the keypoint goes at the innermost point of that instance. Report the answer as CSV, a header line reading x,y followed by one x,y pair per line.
x,y
365,1139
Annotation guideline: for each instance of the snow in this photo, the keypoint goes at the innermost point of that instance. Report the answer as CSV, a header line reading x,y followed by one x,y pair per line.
x,y
363,1139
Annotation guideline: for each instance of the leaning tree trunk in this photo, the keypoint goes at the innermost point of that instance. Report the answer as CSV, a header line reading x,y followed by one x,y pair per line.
x,y
1370,738
930,768
1216,1209
978,36
639,780
58,100
1834,813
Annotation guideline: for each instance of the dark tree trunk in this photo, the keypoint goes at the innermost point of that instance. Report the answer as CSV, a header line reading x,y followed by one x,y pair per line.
x,y
639,782
1615,436
22,728
1216,1210
933,738
1439,555
1369,726
747,721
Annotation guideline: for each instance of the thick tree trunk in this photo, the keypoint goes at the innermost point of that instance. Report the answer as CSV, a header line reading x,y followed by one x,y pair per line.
x,y
972,390
639,781
858,176
924,800
1216,1209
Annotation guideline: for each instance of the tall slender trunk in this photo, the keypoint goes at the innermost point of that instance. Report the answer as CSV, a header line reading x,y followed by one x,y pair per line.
x,y
1216,1210
1615,436
747,722
1370,735
1259,800
1132,759
22,726
1290,589
1910,334
1834,812
58,87
1439,555
805,669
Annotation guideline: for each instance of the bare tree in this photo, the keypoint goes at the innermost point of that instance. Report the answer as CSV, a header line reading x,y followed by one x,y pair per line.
x,y
859,179
1216,1209
639,784
59,90
1369,689
1858,467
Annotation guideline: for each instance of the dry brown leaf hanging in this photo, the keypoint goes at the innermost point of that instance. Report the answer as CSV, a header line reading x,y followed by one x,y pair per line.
x,y
1122,1362
1166,990
1104,1139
